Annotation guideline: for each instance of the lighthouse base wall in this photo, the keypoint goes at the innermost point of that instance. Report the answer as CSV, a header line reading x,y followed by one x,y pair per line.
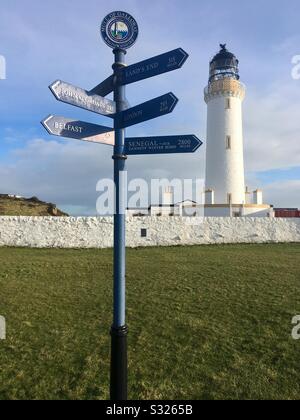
x,y
248,210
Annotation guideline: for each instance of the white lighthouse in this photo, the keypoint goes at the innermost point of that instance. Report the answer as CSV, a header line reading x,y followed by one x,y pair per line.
x,y
226,193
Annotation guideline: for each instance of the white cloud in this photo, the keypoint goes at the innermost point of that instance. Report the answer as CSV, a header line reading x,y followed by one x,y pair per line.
x,y
283,194
66,172
272,127
62,172
64,42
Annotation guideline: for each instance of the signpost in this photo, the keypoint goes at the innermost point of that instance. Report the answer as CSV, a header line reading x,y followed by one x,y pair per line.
x,y
78,130
147,111
161,145
76,96
119,31
105,87
154,66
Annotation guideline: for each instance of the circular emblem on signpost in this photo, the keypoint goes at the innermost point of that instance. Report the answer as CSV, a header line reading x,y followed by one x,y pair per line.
x,y
119,30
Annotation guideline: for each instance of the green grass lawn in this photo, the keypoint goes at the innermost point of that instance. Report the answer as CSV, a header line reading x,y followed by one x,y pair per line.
x,y
207,322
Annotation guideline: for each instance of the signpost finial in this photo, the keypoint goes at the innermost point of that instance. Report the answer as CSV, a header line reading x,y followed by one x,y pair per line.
x,y
119,30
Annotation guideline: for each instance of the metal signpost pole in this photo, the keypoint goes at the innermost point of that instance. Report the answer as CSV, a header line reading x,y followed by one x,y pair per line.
x,y
119,331
120,31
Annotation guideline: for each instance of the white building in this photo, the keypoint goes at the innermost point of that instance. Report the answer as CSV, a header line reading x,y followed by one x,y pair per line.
x,y
226,194
168,207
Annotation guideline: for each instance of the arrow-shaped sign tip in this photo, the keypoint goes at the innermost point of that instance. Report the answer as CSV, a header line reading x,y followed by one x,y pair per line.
x,y
175,100
45,121
53,86
185,56
198,143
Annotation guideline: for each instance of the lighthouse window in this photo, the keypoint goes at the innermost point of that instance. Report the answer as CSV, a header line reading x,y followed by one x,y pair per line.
x,y
228,142
228,103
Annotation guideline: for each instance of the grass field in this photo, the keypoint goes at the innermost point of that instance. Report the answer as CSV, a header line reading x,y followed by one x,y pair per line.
x,y
211,322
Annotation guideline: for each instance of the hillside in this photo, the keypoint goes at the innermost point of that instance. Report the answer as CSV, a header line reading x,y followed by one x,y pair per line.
x,y
20,206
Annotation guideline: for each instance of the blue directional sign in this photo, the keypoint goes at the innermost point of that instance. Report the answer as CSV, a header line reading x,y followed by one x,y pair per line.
x,y
104,88
154,66
79,130
147,111
161,145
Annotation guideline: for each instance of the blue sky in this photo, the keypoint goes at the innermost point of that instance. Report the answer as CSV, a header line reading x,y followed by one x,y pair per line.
x,y
43,42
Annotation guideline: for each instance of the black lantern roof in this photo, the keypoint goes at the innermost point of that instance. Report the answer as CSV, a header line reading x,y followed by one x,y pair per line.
x,y
224,64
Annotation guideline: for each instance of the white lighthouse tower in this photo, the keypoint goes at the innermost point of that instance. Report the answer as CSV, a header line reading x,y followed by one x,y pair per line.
x,y
225,193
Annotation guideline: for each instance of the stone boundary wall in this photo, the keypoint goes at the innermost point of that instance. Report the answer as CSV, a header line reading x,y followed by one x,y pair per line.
x,y
92,232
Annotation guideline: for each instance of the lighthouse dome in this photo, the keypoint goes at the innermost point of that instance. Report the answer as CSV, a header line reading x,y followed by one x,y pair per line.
x,y
224,65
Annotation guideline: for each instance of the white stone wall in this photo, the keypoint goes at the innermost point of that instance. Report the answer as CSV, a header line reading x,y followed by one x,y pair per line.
x,y
90,232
